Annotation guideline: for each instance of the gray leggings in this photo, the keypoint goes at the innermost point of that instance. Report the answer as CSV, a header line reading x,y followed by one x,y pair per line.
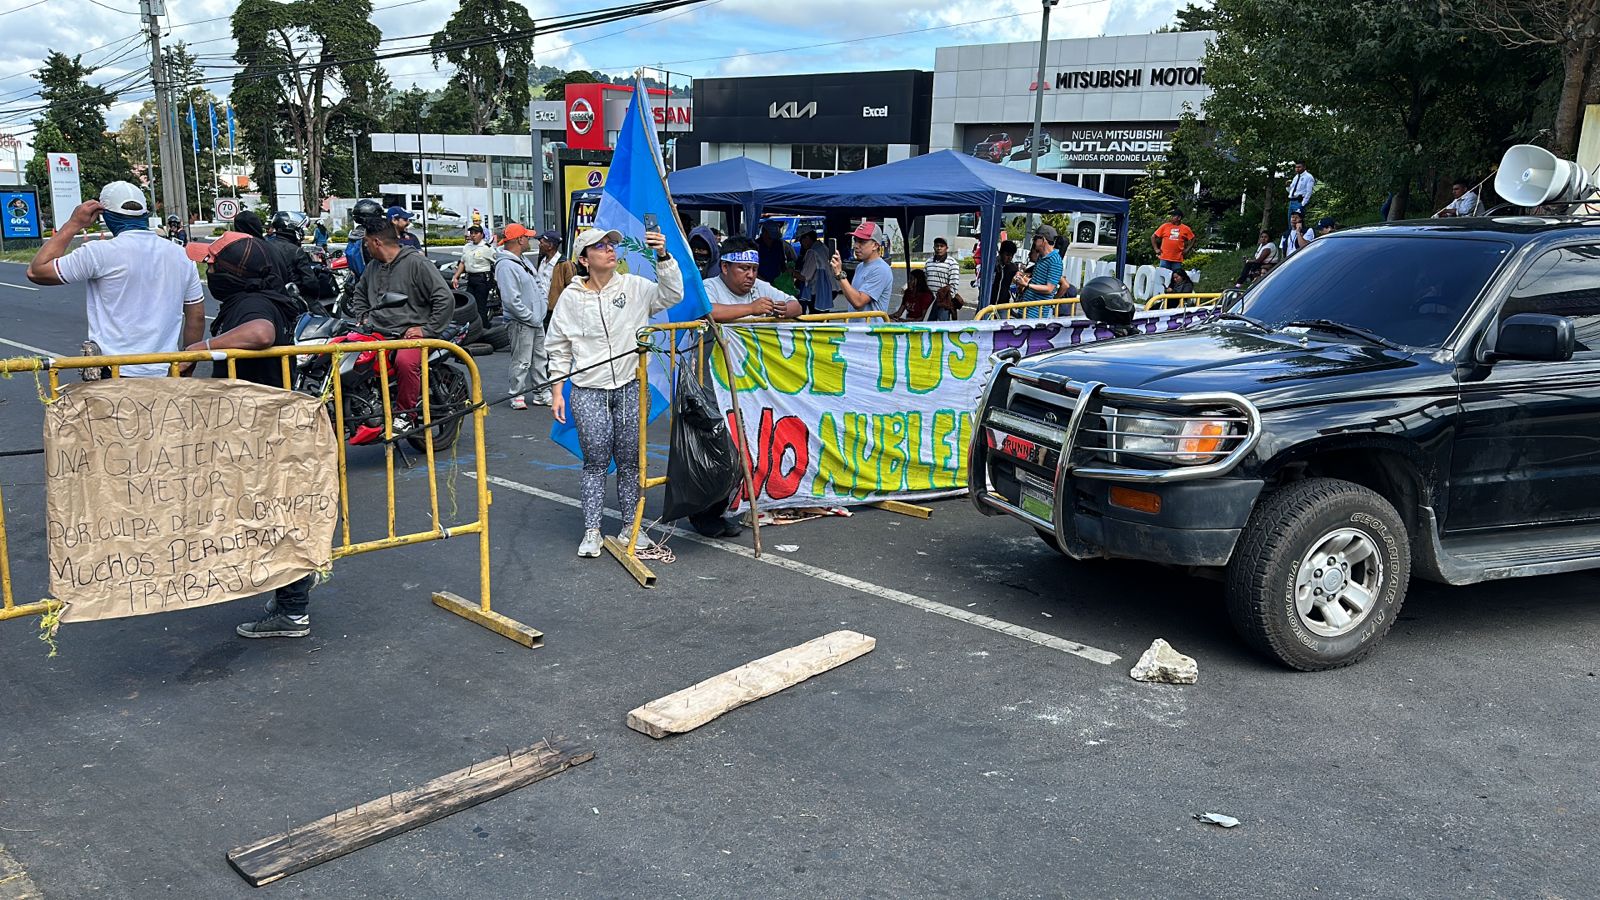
x,y
608,428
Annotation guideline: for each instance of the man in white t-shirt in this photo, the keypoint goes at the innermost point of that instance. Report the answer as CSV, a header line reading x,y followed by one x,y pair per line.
x,y
143,292
736,292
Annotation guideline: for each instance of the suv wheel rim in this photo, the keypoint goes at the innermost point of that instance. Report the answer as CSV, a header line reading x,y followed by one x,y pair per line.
x,y
1338,582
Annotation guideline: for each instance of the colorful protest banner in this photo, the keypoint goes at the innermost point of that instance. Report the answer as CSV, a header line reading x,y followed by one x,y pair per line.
x,y
844,414
172,493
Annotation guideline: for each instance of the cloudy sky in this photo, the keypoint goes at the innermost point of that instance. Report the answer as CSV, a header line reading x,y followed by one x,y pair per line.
x,y
719,37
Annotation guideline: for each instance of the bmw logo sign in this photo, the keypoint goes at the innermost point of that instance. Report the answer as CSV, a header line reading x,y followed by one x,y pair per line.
x,y
286,168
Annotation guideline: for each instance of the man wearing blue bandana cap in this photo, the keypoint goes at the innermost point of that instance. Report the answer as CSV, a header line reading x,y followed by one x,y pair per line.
x,y
143,293
736,292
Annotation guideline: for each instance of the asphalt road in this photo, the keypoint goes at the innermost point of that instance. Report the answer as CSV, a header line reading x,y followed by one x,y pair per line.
x,y
954,760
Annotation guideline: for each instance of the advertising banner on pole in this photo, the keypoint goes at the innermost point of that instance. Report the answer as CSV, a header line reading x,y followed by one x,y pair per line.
x,y
66,190
845,414
19,215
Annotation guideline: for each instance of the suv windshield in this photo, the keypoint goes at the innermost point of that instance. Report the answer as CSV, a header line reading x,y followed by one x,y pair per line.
x,y
1412,291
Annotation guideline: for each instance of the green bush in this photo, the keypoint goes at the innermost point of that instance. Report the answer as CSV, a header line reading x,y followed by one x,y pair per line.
x,y
968,264
446,241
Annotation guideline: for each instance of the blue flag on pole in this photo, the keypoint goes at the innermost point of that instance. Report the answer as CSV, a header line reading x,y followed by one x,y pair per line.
x,y
194,129
635,185
230,127
213,109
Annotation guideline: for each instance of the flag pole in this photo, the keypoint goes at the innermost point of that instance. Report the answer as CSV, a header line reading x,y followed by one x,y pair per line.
x,y
743,443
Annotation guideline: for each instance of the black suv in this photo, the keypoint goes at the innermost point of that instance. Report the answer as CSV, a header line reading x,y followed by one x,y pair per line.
x,y
1414,398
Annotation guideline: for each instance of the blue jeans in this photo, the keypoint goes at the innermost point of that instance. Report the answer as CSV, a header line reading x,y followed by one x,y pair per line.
x,y
1171,266
1295,206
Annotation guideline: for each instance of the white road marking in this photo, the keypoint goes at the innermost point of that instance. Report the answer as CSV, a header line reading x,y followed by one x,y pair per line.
x,y
38,351
20,287
1093,654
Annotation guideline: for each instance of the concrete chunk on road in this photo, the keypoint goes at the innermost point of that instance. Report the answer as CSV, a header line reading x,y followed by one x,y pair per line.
x,y
1163,665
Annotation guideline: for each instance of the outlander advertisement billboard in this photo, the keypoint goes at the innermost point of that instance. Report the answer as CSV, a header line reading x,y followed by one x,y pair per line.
x,y
1131,146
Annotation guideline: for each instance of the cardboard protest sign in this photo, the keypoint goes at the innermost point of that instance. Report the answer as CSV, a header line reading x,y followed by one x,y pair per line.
x,y
843,414
169,493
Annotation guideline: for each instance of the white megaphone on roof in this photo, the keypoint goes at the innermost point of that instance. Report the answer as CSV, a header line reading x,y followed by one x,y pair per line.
x,y
1533,176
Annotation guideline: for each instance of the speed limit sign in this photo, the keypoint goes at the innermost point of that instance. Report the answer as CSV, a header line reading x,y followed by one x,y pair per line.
x,y
226,209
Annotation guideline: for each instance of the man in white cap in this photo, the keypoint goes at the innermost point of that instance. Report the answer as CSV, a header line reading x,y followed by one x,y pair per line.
x,y
872,283
143,293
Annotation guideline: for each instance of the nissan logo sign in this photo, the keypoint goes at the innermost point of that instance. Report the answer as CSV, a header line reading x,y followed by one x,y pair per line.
x,y
581,116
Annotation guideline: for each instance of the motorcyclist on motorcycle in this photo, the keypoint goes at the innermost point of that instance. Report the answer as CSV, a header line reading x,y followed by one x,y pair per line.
x,y
364,215
285,232
393,268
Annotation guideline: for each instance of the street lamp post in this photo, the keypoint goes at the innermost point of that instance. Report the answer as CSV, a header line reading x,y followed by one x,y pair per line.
x,y
1038,100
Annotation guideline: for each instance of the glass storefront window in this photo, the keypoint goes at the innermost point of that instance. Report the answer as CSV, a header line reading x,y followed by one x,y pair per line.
x,y
822,157
877,156
852,159
1119,185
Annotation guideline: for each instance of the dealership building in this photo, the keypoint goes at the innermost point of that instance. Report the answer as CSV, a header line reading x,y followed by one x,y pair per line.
x,y
1111,106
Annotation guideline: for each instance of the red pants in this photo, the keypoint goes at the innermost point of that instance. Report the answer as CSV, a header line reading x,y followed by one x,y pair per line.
x,y
408,372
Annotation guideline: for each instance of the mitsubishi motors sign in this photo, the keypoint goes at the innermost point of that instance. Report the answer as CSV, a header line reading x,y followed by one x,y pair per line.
x,y
66,188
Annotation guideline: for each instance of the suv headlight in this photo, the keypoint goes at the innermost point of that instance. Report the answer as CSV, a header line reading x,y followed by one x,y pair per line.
x,y
1179,439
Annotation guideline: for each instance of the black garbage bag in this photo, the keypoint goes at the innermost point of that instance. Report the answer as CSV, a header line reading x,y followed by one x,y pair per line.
x,y
703,467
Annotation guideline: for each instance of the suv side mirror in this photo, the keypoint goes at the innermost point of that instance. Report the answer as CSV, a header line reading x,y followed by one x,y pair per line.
x,y
1536,337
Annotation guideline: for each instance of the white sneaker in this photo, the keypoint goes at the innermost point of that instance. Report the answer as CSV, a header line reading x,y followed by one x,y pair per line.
x,y
518,402
591,543
642,543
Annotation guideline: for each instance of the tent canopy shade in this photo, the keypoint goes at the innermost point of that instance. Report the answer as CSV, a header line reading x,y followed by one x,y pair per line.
x,y
728,186
946,182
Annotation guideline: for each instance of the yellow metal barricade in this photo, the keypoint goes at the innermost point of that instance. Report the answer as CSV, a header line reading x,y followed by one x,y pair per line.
x,y
1020,309
629,555
852,316
1180,301
480,612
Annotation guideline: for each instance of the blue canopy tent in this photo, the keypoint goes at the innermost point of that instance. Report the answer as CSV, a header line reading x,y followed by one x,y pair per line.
x,y
728,186
947,182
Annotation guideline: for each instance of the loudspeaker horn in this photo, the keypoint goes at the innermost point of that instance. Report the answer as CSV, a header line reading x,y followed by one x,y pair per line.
x,y
1533,176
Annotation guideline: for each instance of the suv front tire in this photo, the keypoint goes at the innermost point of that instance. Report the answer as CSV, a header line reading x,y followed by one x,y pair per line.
x,y
1319,573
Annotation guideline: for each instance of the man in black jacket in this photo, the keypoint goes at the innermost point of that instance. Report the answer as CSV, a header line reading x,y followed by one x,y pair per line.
x,y
289,260
254,314
393,269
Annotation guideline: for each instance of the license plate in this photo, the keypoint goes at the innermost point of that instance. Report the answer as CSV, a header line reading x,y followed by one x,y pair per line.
x,y
1038,499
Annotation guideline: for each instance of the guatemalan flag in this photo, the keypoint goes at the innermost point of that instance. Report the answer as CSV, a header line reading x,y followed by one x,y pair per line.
x,y
635,185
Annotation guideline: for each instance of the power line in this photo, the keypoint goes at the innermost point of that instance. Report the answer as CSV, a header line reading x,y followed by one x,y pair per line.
x,y
113,8
21,8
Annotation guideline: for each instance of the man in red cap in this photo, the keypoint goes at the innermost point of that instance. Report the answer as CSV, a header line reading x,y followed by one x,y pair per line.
x,y
873,282
524,305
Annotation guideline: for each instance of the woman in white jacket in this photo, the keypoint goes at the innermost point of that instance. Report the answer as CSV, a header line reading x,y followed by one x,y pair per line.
x,y
596,318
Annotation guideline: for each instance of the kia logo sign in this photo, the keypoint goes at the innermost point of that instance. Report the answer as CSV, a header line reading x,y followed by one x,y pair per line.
x,y
792,110
581,116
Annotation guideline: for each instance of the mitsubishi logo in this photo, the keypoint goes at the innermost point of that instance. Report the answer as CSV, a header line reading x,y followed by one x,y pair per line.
x,y
792,110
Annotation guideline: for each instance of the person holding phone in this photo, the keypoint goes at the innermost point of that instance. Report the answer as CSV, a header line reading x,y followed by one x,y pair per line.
x,y
595,324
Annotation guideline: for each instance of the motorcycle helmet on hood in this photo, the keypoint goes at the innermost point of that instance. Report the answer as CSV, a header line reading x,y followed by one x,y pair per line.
x,y
1107,301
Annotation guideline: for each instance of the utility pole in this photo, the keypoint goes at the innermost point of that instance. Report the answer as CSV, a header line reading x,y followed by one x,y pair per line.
x,y
355,161
1038,105
174,197
149,165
